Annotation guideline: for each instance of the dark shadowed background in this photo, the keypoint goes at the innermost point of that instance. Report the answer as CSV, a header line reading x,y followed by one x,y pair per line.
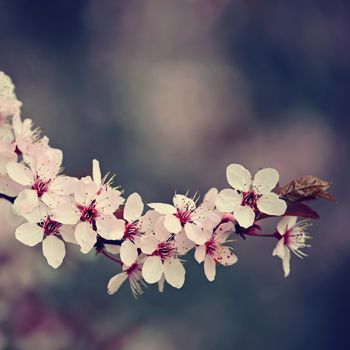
x,y
166,94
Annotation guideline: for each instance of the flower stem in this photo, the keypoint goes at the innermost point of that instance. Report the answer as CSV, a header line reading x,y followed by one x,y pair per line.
x,y
111,257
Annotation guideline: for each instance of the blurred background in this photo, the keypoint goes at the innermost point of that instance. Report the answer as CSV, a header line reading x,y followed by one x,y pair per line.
x,y
166,94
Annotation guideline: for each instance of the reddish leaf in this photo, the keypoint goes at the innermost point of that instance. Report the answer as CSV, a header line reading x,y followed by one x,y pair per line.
x,y
302,210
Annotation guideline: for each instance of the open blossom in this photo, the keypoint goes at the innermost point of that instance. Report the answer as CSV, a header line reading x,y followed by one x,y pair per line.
x,y
131,229
248,197
293,238
40,227
133,273
185,215
41,181
24,134
213,251
162,257
92,210
9,105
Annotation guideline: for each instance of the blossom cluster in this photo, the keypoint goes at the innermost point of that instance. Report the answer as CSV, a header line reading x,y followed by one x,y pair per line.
x,y
148,244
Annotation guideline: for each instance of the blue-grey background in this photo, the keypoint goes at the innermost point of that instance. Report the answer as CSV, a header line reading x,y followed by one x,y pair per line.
x,y
166,94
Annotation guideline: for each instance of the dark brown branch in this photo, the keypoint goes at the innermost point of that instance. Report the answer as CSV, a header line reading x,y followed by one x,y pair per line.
x,y
8,198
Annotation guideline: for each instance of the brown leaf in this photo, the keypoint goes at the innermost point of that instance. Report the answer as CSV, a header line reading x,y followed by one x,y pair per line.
x,y
305,188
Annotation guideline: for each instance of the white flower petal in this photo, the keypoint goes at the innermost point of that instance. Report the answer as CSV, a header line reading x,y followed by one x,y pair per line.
x,y
133,207
199,254
9,187
54,251
183,243
96,172
174,272
285,224
63,185
182,202
128,252
29,234
66,213
20,173
68,233
271,204
210,198
266,180
238,177
26,201
172,223
280,249
209,268
152,269
115,282
228,200
286,263
163,208
195,233
148,244
108,201
51,199
226,256
109,227
245,216
85,236
160,230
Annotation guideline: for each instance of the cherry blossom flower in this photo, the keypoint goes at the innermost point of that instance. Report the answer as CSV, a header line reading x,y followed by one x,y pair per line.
x,y
247,197
92,210
293,238
162,257
213,251
131,232
184,214
24,134
9,105
40,227
41,181
133,273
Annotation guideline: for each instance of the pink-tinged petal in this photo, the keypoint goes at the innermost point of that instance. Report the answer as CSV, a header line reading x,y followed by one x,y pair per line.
x,y
266,180
172,223
271,204
195,233
210,198
182,202
29,234
148,244
280,249
20,173
223,231
245,216
68,233
85,236
209,268
183,243
26,201
9,187
285,224
128,252
174,272
152,269
147,221
115,282
160,230
109,227
66,213
228,200
38,214
54,251
163,208
133,207
226,256
109,201
49,163
63,185
238,177
85,192
286,263
96,172
199,254
51,199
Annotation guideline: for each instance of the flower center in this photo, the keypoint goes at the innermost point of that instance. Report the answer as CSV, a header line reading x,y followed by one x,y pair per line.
x,y
249,199
210,248
51,227
40,186
130,232
295,238
165,250
89,213
184,216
